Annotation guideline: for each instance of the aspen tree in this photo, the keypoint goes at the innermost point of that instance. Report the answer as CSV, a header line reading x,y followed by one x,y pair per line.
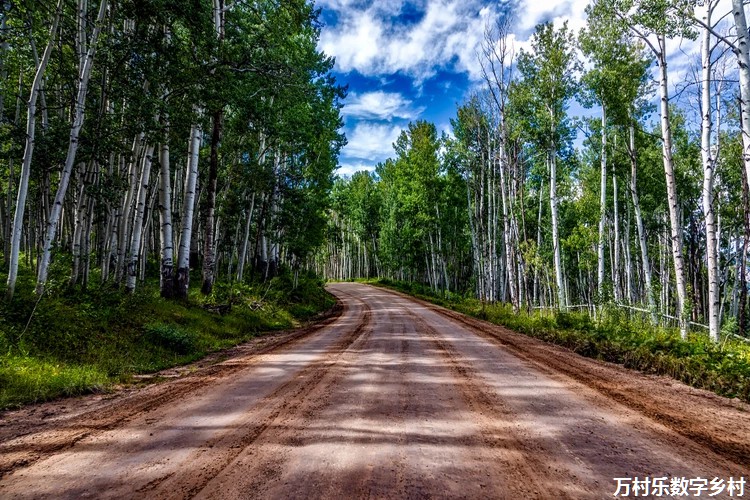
x,y
652,22
548,79
709,168
27,156
166,273
75,130
182,277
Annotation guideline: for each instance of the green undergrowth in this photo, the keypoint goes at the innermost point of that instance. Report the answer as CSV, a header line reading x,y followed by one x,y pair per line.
x,y
723,368
72,341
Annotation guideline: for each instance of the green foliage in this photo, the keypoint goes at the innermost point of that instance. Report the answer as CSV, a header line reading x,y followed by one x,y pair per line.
x,y
83,341
25,379
171,337
547,84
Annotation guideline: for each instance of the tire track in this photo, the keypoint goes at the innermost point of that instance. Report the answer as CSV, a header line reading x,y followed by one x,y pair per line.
x,y
49,437
519,458
710,421
285,403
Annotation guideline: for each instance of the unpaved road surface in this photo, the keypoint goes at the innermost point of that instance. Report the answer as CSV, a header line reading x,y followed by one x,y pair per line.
x,y
391,398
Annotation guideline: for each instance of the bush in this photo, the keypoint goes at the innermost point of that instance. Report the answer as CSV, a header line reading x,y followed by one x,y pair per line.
x,y
71,341
171,337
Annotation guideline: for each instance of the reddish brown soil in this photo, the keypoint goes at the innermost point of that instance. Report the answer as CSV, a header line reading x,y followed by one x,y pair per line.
x,y
392,398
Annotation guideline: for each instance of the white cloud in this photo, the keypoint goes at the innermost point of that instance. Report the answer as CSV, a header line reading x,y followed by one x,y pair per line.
x,y
371,142
356,45
447,36
368,41
370,37
555,11
380,105
348,169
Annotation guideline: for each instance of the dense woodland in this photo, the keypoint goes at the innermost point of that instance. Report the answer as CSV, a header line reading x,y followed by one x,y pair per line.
x,y
155,137
150,138
650,215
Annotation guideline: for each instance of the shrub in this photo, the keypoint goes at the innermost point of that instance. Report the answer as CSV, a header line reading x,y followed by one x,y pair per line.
x,y
171,337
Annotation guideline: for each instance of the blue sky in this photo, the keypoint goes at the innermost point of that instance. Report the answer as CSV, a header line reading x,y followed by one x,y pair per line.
x,y
405,60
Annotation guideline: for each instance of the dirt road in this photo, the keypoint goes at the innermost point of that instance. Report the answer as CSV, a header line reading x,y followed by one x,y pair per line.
x,y
392,398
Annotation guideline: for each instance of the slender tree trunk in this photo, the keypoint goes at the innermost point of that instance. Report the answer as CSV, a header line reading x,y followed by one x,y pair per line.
x,y
602,205
182,278
138,221
508,235
125,216
742,51
616,282
7,222
708,179
23,187
209,250
537,278
559,282
75,130
80,222
742,319
166,274
639,226
245,240
672,202
628,261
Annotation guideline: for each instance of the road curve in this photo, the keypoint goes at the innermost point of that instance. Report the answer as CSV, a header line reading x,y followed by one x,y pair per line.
x,y
393,398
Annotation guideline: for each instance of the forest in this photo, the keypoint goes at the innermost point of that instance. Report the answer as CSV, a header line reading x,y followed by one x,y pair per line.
x,y
649,215
162,161
194,135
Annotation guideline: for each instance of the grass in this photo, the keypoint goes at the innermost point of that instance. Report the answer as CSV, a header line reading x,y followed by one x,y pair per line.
x,y
72,341
723,368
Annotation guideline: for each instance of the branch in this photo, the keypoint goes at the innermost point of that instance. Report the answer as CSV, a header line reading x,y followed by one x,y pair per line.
x,y
717,34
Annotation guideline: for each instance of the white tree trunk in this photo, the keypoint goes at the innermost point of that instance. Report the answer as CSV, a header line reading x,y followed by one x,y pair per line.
x,y
537,300
166,275
183,256
123,227
140,209
75,130
616,283
674,216
245,240
708,178
742,50
28,153
82,215
561,302
602,205
507,235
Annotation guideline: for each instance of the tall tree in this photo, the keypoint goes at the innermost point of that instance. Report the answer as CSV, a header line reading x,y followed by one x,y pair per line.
x,y
549,83
653,21
23,186
84,75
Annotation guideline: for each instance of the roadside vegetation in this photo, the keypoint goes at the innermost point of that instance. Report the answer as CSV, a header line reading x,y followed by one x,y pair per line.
x,y
722,367
71,341
148,152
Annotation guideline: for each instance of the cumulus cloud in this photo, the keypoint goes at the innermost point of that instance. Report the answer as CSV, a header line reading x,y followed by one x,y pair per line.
x,y
371,40
387,40
380,105
554,11
371,142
